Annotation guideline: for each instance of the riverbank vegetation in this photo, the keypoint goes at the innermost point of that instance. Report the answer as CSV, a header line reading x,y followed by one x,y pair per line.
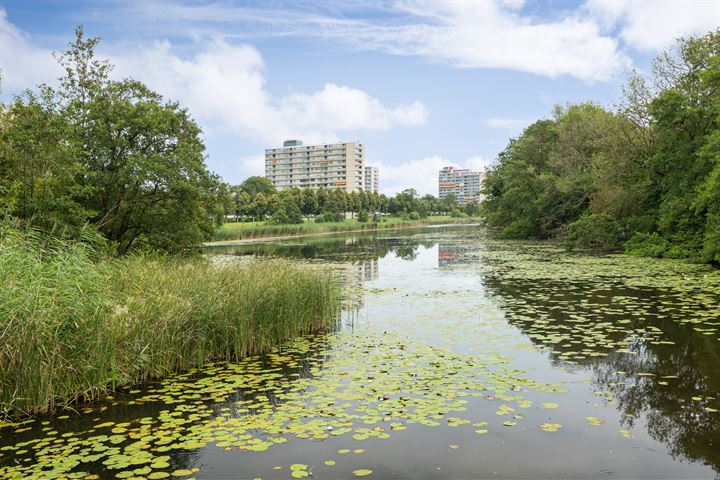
x,y
256,200
644,177
74,326
246,230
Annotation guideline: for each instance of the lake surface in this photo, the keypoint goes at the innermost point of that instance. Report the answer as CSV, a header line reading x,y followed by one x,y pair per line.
x,y
456,356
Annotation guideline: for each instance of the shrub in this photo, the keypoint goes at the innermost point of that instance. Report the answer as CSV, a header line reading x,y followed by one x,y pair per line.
x,y
328,217
647,245
456,213
287,213
414,216
363,216
597,230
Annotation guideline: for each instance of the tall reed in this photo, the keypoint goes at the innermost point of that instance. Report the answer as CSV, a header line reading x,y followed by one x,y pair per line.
x,y
72,327
239,231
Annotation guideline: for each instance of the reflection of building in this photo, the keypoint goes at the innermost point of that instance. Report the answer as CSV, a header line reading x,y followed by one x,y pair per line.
x,y
462,183
371,179
454,254
354,275
370,269
332,166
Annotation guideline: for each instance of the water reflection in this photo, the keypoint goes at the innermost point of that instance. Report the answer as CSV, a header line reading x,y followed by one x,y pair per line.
x,y
659,373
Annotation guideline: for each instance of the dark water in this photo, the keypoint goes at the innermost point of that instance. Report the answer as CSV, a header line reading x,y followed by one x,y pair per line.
x,y
456,357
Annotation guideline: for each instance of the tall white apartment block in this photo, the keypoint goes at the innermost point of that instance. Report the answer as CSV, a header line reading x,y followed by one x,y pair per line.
x,y
331,166
371,179
462,183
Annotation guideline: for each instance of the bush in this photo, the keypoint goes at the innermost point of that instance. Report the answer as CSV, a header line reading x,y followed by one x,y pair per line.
x,y
328,217
363,216
414,216
377,218
647,245
597,230
456,213
287,213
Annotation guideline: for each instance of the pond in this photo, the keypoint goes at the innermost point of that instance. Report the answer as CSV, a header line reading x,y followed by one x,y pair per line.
x,y
456,356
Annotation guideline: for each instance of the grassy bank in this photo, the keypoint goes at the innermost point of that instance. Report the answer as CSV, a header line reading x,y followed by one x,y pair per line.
x,y
72,327
240,231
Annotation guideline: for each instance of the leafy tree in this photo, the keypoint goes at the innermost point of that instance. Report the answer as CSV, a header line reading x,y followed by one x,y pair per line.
x,y
113,154
254,185
41,177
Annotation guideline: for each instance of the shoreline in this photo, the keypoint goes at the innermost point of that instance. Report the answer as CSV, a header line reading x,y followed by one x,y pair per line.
x,y
395,226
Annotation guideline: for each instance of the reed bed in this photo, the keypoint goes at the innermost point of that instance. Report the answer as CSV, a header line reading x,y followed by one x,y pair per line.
x,y
240,231
73,328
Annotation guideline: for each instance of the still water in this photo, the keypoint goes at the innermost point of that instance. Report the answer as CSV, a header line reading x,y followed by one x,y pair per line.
x,y
456,356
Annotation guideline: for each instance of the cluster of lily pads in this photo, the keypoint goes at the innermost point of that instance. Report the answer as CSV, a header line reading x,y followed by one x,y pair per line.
x,y
307,390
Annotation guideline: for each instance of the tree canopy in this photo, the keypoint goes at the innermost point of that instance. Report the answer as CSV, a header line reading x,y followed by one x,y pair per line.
x,y
111,154
644,175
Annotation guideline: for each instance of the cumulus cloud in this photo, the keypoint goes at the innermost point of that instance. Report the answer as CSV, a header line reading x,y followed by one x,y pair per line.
x,y
22,64
420,174
224,85
653,25
496,35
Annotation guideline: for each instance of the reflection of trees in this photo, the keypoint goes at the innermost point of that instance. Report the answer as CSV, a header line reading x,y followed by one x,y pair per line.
x,y
455,253
673,418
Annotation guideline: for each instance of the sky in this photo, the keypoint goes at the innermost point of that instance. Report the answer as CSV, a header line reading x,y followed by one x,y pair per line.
x,y
422,84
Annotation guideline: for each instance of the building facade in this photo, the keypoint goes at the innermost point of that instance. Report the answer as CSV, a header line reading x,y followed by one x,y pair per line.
x,y
371,179
462,183
330,166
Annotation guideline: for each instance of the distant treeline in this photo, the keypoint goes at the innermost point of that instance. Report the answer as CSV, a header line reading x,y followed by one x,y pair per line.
x,y
644,177
256,199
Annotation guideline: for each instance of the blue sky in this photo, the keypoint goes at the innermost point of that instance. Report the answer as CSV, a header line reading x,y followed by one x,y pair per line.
x,y
421,84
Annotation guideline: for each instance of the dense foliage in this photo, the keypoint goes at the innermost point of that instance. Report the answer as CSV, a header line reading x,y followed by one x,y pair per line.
x,y
645,176
110,154
256,199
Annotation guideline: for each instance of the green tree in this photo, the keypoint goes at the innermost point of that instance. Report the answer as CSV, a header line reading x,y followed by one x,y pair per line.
x,y
41,177
256,184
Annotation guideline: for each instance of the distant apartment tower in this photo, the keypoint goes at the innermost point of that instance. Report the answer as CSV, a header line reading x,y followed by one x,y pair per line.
x,y
371,179
331,166
463,183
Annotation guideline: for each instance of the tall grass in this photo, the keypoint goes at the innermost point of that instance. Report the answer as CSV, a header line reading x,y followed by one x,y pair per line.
x,y
239,231
72,327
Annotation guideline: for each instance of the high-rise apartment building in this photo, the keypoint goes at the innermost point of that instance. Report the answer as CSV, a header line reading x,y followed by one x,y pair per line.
x,y
462,183
331,166
371,179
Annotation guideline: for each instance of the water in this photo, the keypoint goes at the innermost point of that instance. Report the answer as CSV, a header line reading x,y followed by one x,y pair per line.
x,y
456,357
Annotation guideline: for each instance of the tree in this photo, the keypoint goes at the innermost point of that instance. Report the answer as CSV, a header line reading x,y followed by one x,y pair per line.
x,y
144,155
41,177
309,202
254,185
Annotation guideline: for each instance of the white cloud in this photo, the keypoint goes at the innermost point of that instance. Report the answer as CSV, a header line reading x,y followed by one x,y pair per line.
x,y
512,125
224,86
494,35
653,25
22,64
420,174
479,34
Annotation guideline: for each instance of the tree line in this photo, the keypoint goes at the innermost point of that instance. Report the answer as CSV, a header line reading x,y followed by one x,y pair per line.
x,y
112,157
256,199
643,177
